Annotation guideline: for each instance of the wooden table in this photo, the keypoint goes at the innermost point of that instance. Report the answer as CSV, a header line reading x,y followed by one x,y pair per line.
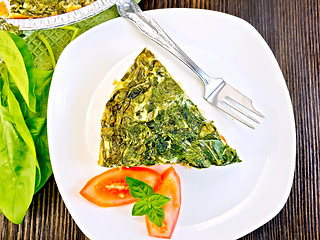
x,y
292,30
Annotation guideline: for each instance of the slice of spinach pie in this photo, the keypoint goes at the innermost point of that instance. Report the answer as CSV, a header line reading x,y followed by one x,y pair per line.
x,y
150,120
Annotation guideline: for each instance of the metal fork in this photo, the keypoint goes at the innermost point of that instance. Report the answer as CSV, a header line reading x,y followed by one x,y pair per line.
x,y
217,91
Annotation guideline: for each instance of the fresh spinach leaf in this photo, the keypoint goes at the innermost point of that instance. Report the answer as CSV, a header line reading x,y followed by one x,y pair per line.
x,y
20,118
27,57
36,126
15,111
17,158
18,60
43,81
37,120
38,129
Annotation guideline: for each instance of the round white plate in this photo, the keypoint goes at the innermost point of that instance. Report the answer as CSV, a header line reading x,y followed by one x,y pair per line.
x,y
218,202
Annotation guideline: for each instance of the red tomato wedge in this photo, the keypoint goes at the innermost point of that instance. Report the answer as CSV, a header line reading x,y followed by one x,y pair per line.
x,y
110,188
170,187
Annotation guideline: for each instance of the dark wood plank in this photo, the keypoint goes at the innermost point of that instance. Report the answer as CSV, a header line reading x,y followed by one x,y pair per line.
x,y
47,218
292,30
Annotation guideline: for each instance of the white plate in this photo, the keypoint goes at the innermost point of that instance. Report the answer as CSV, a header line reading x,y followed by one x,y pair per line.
x,y
218,202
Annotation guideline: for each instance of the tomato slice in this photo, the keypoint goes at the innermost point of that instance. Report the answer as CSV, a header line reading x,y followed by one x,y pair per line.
x,y
170,187
110,188
223,139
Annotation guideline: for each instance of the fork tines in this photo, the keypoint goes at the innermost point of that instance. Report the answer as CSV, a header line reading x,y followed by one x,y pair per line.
x,y
229,99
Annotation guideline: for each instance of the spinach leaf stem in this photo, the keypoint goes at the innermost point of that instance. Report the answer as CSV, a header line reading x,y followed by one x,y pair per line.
x,y
44,40
74,29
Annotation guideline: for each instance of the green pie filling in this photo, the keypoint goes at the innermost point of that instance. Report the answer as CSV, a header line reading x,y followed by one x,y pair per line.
x,y
45,8
150,120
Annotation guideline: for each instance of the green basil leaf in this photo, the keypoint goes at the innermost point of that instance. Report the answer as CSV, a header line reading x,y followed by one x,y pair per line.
x,y
156,215
150,203
138,189
157,200
140,208
17,159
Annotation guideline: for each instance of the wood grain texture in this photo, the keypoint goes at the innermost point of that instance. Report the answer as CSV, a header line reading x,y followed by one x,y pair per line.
x,y
292,30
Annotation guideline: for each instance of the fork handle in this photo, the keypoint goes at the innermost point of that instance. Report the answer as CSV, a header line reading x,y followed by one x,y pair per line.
x,y
130,9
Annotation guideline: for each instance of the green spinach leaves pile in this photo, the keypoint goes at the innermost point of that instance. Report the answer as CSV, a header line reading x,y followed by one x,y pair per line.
x,y
24,153
26,68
